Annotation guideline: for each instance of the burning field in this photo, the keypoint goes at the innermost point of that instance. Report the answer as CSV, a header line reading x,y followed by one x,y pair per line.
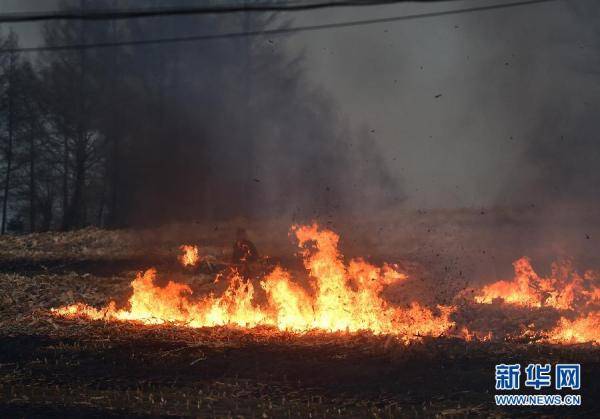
x,y
185,330
347,298
342,298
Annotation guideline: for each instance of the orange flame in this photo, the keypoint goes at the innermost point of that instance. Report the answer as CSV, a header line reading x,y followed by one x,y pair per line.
x,y
581,330
190,256
469,336
341,298
564,290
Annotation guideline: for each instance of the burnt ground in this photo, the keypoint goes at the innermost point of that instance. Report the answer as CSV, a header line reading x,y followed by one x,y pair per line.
x,y
52,367
99,370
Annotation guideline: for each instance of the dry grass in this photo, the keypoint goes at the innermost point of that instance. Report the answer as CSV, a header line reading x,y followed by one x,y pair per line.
x,y
56,367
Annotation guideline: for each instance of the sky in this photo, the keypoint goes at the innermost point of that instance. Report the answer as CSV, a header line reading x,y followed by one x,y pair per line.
x,y
456,104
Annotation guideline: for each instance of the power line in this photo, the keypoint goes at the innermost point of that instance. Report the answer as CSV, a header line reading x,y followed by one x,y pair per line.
x,y
113,14
279,31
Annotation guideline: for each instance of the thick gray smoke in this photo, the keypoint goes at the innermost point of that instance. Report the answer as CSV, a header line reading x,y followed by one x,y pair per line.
x,y
199,130
480,110
462,142
476,109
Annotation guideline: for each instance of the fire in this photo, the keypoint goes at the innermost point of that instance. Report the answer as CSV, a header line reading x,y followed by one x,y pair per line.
x,y
565,289
469,336
341,297
347,297
581,330
190,256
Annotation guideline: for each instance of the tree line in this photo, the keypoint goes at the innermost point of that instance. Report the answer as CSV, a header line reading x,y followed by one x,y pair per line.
x,y
146,134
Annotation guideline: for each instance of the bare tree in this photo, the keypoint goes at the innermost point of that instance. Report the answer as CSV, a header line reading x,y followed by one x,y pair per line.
x,y
151,133
8,70
71,100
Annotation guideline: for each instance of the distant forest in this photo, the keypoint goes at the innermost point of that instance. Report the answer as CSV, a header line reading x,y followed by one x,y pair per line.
x,y
147,134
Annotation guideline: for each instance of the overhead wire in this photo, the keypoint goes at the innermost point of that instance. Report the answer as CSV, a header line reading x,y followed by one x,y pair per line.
x,y
278,31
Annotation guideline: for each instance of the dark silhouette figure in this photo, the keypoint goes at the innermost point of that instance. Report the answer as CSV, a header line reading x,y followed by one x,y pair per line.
x,y
244,250
244,254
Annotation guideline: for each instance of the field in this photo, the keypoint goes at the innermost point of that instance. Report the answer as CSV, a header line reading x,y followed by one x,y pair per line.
x,y
51,366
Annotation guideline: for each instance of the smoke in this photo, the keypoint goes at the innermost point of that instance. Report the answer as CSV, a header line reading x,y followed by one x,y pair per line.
x,y
556,96
216,129
490,109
